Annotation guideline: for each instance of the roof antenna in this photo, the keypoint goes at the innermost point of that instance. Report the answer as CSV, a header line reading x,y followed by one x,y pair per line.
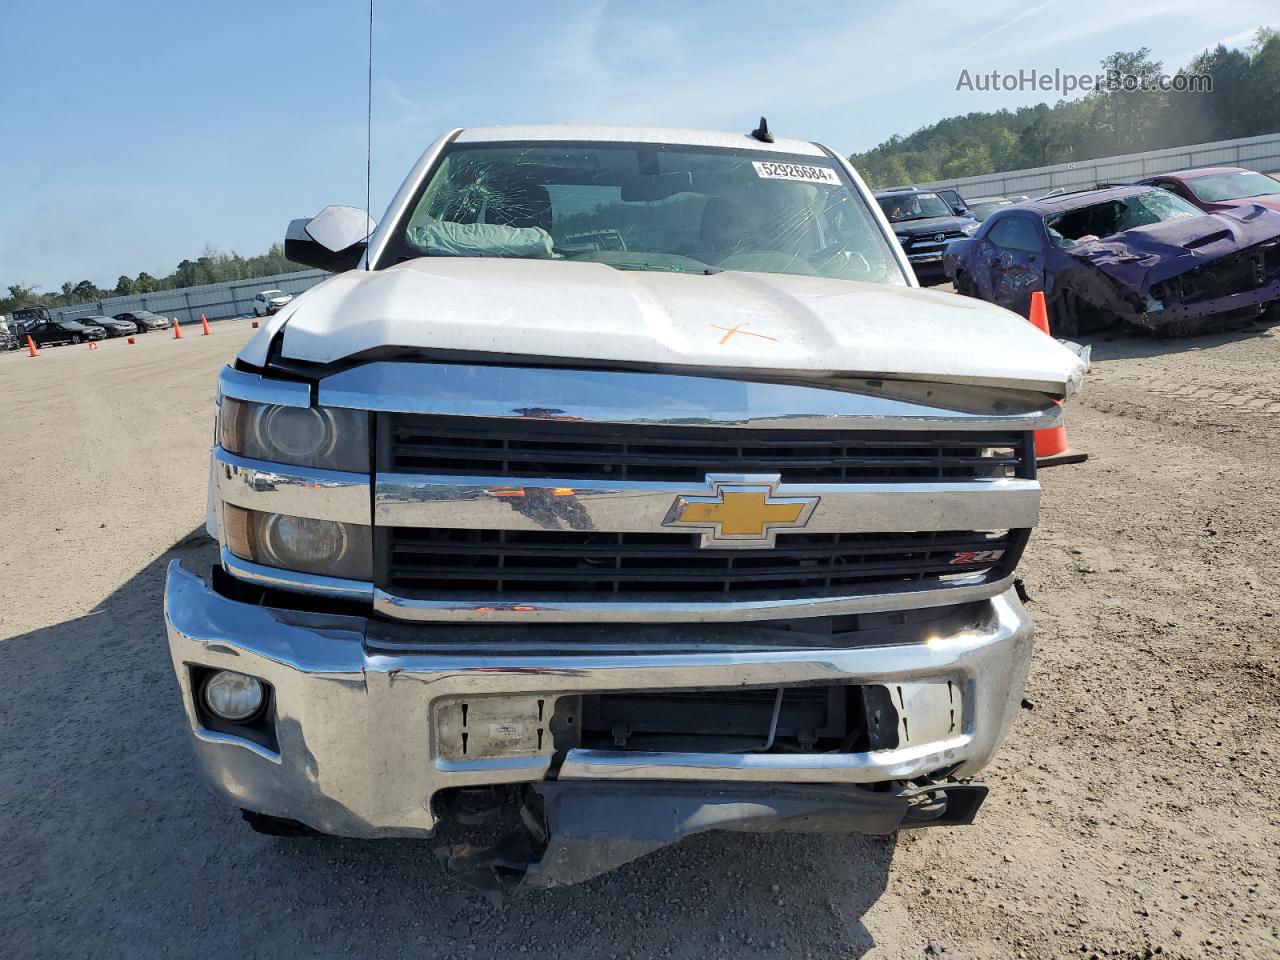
x,y
368,141
761,132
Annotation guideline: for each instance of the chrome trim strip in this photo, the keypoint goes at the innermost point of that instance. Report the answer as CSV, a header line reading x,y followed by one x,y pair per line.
x,y
279,579
507,609
213,736
487,503
296,491
534,764
585,764
399,204
251,386
614,396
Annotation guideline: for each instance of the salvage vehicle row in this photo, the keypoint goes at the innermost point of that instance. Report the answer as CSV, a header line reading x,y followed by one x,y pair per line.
x,y
1131,254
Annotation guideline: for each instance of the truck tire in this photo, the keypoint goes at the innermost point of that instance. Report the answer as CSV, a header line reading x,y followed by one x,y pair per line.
x,y
1064,315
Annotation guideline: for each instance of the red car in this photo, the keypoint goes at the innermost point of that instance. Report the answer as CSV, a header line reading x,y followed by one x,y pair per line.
x,y
1214,189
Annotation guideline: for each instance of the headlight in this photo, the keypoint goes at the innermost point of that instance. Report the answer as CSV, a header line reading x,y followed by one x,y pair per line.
x,y
969,229
903,237
326,437
303,544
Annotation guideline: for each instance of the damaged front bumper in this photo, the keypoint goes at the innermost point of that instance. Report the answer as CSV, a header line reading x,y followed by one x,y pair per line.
x,y
586,829
359,739
1174,317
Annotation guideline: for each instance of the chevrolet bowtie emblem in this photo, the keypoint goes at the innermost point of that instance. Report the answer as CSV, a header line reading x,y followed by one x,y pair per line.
x,y
742,512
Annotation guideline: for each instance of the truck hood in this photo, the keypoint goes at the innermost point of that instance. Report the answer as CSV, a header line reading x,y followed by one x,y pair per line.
x,y
510,310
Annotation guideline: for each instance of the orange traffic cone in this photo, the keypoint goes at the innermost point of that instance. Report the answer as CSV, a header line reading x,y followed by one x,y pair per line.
x,y
1039,313
177,329
31,345
1052,449
205,325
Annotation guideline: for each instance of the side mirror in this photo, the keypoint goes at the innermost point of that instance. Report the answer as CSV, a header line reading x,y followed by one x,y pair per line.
x,y
334,239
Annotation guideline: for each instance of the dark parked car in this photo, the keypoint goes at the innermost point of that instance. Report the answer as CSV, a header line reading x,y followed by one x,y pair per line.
x,y
48,332
925,225
1130,253
1214,189
956,202
145,320
112,326
982,207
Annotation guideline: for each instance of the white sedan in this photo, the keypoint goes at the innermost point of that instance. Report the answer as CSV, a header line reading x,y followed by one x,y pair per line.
x,y
269,301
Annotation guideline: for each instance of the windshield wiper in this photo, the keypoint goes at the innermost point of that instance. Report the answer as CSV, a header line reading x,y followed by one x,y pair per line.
x,y
665,268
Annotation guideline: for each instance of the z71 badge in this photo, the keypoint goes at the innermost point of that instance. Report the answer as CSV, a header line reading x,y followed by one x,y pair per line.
x,y
977,556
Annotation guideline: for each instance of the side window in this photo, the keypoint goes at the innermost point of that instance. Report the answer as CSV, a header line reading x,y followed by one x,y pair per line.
x,y
1015,233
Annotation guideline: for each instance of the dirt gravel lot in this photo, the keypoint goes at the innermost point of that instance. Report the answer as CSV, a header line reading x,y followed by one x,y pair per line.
x,y
1133,810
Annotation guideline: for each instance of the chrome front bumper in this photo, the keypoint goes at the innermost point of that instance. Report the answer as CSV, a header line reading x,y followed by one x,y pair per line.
x,y
358,753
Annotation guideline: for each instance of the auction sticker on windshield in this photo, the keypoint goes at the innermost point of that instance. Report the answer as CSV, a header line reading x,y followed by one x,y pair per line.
x,y
771,170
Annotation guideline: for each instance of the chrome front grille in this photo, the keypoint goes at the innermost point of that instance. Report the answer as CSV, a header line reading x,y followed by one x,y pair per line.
x,y
527,494
925,242
522,516
459,446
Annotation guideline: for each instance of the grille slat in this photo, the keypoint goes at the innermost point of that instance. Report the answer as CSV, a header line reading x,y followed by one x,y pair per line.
x,y
533,449
568,562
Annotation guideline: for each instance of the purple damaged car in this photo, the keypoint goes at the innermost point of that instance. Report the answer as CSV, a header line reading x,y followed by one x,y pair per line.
x,y
1129,254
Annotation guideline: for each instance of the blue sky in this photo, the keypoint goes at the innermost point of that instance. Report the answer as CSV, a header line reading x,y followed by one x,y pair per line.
x,y
136,133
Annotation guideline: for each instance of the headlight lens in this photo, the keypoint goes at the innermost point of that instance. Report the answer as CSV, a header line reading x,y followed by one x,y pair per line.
x,y
303,541
326,437
303,544
969,229
903,237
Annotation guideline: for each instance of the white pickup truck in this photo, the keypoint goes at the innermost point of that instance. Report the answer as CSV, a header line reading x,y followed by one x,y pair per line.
x,y
710,526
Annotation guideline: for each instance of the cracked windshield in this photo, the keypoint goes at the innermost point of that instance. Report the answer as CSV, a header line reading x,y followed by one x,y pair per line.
x,y
650,208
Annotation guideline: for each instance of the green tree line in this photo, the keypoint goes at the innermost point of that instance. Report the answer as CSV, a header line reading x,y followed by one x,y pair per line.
x,y
1244,101
210,267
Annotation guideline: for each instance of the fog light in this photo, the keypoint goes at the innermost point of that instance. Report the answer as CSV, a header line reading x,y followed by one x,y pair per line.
x,y
233,696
